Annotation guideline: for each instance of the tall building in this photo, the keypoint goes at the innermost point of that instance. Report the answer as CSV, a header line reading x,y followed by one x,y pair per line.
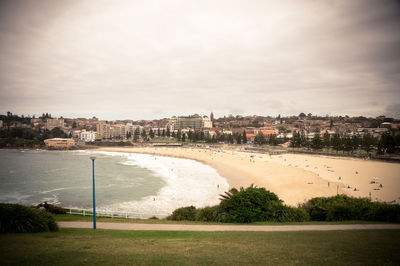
x,y
103,130
212,116
54,122
192,122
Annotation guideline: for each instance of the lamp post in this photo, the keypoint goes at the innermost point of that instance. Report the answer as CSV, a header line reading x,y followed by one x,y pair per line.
x,y
94,194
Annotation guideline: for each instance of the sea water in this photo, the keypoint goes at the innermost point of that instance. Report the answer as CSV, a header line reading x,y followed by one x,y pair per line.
x,y
125,182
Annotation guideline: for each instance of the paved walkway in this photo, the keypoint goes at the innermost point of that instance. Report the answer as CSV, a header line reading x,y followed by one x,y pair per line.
x,y
259,228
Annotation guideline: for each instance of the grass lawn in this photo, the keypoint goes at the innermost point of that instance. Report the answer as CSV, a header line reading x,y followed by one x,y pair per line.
x,y
85,246
79,218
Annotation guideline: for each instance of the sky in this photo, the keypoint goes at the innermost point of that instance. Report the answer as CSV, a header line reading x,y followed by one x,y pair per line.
x,y
155,59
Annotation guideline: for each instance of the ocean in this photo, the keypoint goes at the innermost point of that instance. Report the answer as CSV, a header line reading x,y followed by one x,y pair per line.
x,y
136,184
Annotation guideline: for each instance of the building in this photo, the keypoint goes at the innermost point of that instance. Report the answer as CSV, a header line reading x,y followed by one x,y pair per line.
x,y
192,122
54,122
103,130
59,143
87,136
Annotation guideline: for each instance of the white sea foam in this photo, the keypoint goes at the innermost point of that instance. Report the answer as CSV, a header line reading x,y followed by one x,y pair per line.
x,y
188,182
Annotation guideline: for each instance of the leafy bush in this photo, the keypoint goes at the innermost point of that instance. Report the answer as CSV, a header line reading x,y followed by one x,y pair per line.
x,y
184,213
342,207
15,218
291,214
250,205
210,214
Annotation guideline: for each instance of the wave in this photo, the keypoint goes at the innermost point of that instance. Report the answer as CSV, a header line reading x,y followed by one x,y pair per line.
x,y
188,182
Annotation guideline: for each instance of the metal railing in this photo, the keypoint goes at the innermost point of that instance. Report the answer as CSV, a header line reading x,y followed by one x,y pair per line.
x,y
116,214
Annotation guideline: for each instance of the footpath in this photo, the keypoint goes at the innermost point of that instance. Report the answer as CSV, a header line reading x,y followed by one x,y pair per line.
x,y
213,228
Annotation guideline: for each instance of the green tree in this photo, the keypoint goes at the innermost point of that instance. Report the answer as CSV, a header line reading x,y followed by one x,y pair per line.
x,y
58,133
168,132
238,138
260,139
327,140
74,124
336,142
144,134
151,133
316,143
368,142
179,134
183,137
136,134
249,205
244,137
273,140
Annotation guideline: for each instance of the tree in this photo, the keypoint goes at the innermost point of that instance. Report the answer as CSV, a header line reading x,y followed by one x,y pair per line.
x,y
316,143
244,137
302,115
368,141
151,133
144,135
387,142
168,132
159,132
74,124
327,140
136,134
273,140
179,134
249,205
230,138
58,133
336,142
260,139
183,137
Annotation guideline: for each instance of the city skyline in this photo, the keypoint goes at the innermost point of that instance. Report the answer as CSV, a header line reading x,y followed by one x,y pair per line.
x,y
153,60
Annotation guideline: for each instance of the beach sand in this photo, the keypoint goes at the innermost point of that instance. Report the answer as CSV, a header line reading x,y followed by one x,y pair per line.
x,y
294,178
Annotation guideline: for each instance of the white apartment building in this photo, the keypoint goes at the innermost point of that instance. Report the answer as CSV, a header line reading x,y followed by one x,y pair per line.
x,y
87,136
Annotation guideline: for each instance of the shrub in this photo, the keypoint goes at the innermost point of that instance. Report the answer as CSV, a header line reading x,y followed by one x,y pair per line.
x,y
342,207
209,214
291,214
184,213
250,205
15,218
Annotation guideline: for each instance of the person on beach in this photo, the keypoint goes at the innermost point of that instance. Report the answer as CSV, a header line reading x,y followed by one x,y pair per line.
x,y
46,206
41,208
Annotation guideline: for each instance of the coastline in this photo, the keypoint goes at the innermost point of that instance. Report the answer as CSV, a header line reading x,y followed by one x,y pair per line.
x,y
294,178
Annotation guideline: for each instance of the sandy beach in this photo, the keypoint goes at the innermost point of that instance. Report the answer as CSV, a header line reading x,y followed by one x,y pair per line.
x,y
294,178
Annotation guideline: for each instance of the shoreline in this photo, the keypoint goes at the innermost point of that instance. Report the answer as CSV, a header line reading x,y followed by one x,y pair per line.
x,y
294,178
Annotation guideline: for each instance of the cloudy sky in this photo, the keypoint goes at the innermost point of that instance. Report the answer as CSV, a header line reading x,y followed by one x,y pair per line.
x,y
155,59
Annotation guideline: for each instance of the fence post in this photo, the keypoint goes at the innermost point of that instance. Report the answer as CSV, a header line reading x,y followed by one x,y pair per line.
x,y
70,211
83,212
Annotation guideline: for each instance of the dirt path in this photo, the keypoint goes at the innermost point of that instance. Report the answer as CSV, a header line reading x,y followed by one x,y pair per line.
x,y
260,228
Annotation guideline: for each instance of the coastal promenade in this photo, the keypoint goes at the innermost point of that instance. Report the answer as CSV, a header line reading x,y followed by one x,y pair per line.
x,y
215,228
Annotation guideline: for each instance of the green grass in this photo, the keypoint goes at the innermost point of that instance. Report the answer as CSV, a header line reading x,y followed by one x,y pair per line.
x,y
77,218
85,246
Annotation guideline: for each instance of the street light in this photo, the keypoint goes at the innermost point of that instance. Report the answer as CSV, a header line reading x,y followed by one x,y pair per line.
x,y
94,194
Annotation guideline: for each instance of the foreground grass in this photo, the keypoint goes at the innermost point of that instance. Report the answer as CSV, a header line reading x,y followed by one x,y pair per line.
x,y
83,246
78,218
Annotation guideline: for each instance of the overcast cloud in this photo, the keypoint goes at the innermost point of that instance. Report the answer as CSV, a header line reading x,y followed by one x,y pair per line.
x,y
154,59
